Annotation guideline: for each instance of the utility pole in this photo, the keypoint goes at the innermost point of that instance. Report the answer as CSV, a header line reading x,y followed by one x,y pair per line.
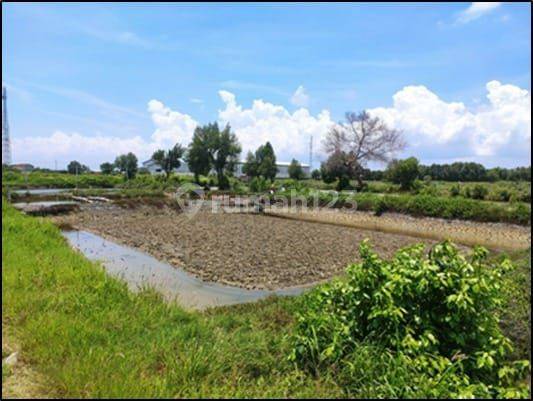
x,y
310,153
6,140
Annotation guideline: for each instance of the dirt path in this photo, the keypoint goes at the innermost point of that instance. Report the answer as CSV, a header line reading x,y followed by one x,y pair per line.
x,y
245,250
497,236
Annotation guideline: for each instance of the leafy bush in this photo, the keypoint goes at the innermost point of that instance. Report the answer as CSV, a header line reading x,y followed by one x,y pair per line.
x,y
445,207
436,313
479,191
404,172
455,190
259,184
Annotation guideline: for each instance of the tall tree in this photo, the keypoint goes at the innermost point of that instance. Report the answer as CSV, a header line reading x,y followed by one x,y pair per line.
x,y
127,164
362,138
250,167
339,166
197,156
296,171
107,168
75,167
266,161
221,148
169,159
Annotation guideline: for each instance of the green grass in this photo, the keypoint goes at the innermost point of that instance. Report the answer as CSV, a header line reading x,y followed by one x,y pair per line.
x,y
516,314
39,179
91,337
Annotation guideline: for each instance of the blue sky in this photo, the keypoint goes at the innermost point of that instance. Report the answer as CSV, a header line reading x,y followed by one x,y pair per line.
x,y
86,81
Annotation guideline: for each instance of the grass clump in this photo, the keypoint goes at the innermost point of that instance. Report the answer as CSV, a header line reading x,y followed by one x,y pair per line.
x,y
413,326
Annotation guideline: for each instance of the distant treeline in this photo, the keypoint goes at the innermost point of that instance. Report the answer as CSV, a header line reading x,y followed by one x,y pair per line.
x,y
462,171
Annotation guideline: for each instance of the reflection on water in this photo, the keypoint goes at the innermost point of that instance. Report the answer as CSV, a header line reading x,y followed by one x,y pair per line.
x,y
140,270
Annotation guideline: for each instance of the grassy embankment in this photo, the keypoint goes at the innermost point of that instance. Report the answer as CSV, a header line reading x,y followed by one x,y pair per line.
x,y
91,337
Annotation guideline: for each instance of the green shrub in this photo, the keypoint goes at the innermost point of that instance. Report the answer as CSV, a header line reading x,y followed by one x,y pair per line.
x,y
455,190
259,184
478,191
437,313
404,172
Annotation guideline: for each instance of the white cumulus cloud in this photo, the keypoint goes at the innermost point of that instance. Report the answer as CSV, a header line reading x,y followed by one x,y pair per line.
x,y
476,10
448,129
289,133
300,98
437,130
171,126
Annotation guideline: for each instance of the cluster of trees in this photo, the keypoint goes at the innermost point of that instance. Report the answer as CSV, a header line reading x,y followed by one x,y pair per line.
x,y
262,163
350,145
469,171
75,167
213,149
458,171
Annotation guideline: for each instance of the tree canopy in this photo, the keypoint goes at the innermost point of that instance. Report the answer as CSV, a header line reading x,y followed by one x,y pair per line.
x,y
75,167
404,172
296,171
197,155
361,139
107,168
169,159
127,164
216,149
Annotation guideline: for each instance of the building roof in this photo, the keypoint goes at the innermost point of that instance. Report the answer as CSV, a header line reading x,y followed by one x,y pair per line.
x,y
151,161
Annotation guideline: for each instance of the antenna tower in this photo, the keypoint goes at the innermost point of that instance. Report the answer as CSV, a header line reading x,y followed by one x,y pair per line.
x,y
6,141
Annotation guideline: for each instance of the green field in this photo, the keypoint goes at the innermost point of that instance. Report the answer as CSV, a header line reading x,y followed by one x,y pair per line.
x,y
91,337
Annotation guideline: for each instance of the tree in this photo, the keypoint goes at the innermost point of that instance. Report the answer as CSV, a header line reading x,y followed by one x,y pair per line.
x,y
75,167
315,175
266,161
339,167
197,156
296,171
127,164
250,167
404,172
362,138
107,168
220,149
169,159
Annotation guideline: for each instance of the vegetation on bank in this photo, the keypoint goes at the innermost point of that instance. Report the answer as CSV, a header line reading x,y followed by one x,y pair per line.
x,y
415,205
91,337
38,179
431,322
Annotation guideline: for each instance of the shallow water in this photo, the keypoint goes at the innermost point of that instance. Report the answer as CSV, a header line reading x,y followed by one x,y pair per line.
x,y
44,204
41,191
140,270
53,191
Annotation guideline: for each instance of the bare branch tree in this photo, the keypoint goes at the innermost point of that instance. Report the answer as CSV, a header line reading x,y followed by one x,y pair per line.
x,y
363,138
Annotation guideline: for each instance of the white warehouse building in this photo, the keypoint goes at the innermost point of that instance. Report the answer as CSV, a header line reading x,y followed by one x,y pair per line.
x,y
283,168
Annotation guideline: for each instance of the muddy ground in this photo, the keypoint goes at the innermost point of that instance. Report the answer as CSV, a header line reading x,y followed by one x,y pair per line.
x,y
246,250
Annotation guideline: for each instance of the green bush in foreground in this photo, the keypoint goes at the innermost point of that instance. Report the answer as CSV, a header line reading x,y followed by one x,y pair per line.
x,y
414,325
